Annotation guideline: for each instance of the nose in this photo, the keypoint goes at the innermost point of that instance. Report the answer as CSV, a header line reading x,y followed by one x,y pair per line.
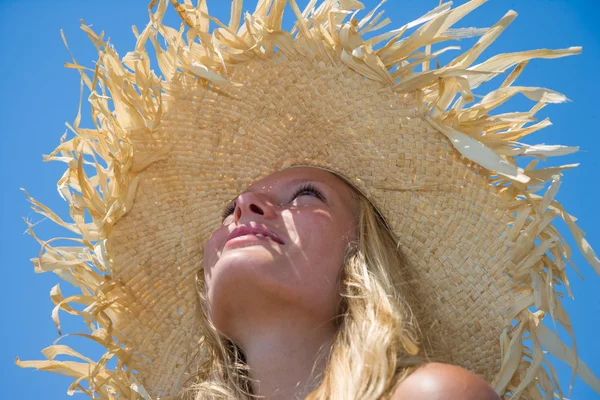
x,y
249,205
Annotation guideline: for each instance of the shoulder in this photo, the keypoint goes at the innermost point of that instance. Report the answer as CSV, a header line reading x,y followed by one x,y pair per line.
x,y
435,381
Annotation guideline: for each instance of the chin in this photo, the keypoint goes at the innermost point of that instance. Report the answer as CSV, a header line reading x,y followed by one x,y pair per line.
x,y
243,274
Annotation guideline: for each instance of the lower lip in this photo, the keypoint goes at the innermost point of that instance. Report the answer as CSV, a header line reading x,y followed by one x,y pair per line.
x,y
248,239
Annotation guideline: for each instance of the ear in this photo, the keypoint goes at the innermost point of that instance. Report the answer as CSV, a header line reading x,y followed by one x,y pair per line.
x,y
436,381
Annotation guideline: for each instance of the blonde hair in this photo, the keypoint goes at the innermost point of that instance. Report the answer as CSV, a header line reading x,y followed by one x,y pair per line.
x,y
376,345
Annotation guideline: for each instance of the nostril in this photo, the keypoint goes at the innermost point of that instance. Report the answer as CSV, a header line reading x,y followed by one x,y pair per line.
x,y
256,209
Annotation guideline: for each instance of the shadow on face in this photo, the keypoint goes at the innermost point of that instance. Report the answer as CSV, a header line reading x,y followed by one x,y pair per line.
x,y
280,251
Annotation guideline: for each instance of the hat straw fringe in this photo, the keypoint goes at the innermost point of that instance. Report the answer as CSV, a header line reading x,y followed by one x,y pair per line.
x,y
128,101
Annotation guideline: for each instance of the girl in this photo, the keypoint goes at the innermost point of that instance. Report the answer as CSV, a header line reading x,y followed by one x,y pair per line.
x,y
411,256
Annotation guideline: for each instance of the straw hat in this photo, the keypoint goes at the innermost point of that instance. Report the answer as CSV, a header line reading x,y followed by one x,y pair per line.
x,y
170,148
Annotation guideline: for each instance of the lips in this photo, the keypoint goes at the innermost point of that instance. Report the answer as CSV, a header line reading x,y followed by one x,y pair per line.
x,y
258,230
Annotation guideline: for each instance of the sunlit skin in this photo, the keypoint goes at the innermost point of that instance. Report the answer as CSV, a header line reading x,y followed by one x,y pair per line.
x,y
279,302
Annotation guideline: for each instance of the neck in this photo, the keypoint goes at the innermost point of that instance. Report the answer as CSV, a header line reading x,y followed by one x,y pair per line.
x,y
287,361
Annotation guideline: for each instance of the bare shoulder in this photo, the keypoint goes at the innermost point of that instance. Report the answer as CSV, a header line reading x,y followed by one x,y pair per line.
x,y
436,381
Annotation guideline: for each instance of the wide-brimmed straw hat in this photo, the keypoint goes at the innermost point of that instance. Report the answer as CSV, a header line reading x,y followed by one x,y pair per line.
x,y
169,149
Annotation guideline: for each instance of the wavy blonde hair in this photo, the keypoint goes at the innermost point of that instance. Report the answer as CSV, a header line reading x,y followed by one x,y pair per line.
x,y
377,342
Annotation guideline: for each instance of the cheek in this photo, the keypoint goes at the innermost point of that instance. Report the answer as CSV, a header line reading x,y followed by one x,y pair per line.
x,y
316,231
318,248
209,254
212,252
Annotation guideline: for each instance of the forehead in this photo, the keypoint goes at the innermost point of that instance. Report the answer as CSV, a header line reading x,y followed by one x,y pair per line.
x,y
297,175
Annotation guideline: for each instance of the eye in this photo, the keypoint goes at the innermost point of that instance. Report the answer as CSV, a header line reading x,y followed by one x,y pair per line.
x,y
228,211
311,190
307,189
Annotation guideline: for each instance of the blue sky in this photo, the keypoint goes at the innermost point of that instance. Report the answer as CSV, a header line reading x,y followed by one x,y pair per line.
x,y
39,95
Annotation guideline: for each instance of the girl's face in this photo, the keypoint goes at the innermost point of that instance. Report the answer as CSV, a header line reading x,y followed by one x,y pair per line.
x,y
306,218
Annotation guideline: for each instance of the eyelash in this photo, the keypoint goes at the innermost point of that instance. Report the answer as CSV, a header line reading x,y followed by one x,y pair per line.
x,y
309,188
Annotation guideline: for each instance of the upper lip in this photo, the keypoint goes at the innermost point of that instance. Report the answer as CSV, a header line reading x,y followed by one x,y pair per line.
x,y
253,230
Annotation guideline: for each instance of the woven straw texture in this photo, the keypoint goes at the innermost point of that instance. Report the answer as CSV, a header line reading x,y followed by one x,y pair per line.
x,y
248,99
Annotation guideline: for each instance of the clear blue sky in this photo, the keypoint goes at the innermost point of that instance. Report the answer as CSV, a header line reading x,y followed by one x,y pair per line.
x,y
38,96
